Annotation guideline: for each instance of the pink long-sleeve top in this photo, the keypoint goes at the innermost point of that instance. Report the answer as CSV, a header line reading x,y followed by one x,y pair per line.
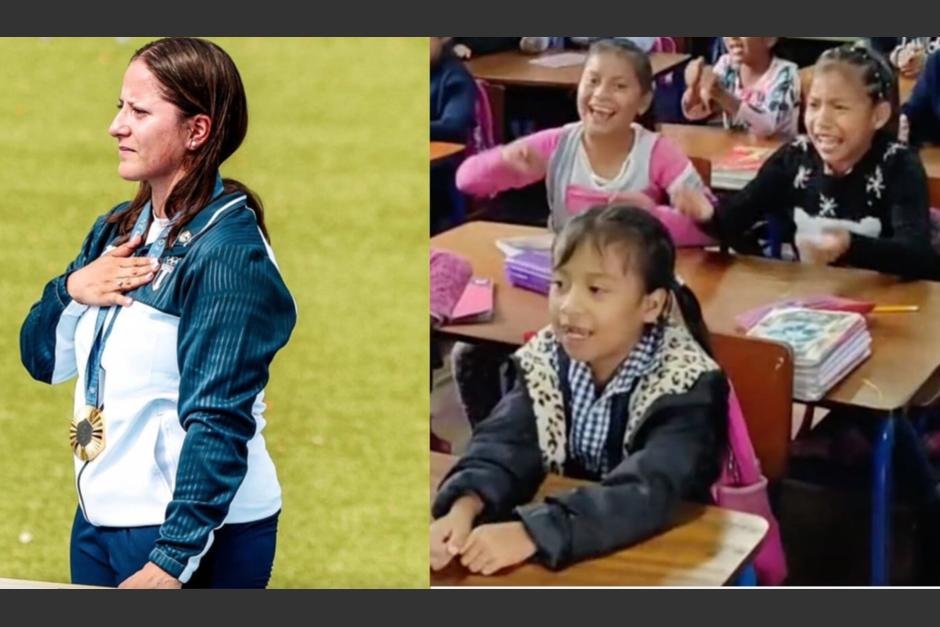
x,y
654,167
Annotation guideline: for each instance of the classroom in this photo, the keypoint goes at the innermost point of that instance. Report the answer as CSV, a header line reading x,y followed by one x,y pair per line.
x,y
684,299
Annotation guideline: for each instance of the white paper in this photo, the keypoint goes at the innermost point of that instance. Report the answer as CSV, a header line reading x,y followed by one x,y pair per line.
x,y
515,245
869,226
564,59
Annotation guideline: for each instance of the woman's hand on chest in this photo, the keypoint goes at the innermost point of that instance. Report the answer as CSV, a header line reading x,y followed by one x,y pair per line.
x,y
105,280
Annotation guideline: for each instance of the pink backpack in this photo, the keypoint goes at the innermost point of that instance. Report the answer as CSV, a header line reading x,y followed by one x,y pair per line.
x,y
743,488
482,137
664,44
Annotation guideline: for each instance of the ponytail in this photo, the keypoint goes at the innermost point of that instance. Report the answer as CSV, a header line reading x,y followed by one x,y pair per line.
x,y
691,312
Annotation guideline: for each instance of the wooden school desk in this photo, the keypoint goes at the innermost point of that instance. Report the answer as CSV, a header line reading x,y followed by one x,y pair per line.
x,y
905,347
711,142
443,150
708,546
899,373
514,68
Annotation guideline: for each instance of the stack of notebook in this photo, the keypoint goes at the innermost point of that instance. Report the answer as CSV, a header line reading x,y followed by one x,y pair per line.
x,y
826,345
828,302
739,167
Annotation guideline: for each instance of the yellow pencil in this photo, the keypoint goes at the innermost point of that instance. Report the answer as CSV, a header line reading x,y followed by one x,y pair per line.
x,y
895,309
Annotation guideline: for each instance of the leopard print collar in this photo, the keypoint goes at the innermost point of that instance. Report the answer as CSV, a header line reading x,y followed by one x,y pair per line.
x,y
681,364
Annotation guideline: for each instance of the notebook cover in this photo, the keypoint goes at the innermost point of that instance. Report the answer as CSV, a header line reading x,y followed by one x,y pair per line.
x,y
476,303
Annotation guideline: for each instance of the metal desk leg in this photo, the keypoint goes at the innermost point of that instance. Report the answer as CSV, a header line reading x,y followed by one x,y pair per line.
x,y
881,501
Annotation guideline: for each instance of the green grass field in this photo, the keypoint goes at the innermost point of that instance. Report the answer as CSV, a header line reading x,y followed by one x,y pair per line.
x,y
336,149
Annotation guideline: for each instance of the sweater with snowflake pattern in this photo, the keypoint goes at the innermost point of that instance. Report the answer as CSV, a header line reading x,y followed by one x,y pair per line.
x,y
882,201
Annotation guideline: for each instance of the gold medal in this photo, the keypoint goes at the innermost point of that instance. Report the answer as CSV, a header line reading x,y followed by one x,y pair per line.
x,y
86,433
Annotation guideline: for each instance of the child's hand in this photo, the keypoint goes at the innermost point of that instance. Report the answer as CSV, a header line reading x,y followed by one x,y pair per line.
x,y
524,159
824,248
633,199
901,55
904,129
462,52
915,64
911,60
493,547
709,85
449,532
693,73
693,203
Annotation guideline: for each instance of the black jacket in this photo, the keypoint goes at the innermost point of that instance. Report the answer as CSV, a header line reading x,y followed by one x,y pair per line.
x,y
665,443
887,185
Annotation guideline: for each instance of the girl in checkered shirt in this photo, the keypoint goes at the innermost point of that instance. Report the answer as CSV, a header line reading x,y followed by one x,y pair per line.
x,y
620,389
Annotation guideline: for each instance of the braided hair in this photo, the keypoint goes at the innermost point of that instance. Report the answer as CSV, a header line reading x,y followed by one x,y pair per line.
x,y
881,83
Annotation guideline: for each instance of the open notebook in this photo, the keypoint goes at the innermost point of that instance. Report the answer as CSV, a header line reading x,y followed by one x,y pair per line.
x,y
476,303
455,295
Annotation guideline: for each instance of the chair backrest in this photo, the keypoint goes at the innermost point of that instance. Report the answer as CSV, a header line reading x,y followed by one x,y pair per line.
x,y
496,94
933,191
762,375
806,79
935,229
683,44
704,168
